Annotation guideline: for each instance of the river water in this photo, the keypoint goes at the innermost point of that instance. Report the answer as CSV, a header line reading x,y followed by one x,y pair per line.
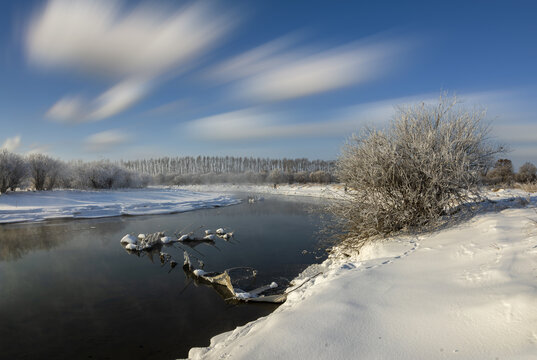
x,y
68,289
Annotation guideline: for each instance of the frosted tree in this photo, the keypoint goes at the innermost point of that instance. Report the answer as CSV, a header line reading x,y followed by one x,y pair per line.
x,y
408,176
13,170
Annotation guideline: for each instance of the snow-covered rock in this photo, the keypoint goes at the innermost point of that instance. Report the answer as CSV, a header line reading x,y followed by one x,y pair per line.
x,y
184,237
166,240
131,247
199,272
128,239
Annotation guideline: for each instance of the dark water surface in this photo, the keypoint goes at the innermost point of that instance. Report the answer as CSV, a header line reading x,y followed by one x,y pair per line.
x,y
68,289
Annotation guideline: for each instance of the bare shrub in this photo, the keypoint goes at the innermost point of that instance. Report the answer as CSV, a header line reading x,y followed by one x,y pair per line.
x,y
527,187
527,173
429,159
501,173
320,177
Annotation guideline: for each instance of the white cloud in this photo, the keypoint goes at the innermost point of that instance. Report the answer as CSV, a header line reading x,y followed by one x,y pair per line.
x,y
101,36
272,73
253,123
113,101
118,98
68,109
106,140
135,47
12,144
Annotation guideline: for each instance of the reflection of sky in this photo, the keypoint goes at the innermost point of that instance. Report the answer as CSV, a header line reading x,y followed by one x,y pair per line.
x,y
69,289
91,79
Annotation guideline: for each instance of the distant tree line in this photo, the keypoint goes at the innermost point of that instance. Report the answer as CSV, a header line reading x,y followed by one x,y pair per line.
x,y
229,169
503,173
42,172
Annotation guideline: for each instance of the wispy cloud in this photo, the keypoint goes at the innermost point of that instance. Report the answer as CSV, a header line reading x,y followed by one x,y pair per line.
x,y
106,140
135,47
39,149
255,123
273,72
101,36
12,144
258,123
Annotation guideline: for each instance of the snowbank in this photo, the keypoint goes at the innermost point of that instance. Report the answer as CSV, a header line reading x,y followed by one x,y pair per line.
x,y
314,190
41,205
469,292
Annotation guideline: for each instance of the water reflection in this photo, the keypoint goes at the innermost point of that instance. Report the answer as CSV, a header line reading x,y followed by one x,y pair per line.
x,y
17,240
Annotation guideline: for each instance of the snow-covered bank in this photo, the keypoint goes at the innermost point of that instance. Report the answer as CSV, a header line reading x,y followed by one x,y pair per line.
x,y
468,292
314,190
42,205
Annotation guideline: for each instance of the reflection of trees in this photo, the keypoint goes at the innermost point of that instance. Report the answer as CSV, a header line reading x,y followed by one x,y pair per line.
x,y
17,240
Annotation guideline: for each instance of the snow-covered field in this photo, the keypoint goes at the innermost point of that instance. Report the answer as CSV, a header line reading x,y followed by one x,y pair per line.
x,y
41,205
314,190
468,292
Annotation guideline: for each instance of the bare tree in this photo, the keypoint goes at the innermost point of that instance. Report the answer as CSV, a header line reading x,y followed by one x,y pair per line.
x,y
409,175
13,170
45,171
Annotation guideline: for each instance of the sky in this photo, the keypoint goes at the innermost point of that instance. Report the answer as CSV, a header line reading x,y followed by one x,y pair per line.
x,y
108,79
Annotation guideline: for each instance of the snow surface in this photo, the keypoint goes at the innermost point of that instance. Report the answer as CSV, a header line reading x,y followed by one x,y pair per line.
x,y
42,205
467,292
313,190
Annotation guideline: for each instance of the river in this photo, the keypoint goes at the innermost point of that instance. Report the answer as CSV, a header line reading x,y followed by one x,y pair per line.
x,y
69,290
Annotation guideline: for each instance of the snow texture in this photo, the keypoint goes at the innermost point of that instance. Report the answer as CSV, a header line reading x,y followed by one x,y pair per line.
x,y
42,205
466,292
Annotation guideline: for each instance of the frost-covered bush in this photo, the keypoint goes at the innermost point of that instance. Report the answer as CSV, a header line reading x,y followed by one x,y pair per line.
x,y
105,175
45,172
429,159
320,177
301,177
13,170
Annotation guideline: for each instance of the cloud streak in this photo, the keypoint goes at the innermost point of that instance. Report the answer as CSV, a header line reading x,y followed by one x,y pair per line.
x,y
100,36
12,144
272,72
256,124
259,123
106,140
134,47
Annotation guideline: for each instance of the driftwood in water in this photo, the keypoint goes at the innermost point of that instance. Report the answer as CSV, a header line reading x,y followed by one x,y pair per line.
x,y
221,282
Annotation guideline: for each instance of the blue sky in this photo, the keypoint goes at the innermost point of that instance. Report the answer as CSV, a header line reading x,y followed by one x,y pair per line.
x,y
124,80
